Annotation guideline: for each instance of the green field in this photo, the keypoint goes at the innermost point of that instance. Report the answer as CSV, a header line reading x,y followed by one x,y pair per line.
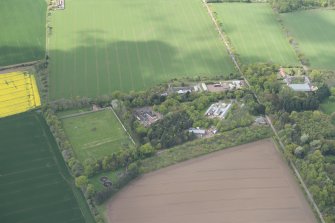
x,y
314,30
22,28
98,47
35,186
328,107
254,33
95,135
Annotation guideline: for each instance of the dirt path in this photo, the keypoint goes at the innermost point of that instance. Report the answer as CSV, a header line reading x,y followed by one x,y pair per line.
x,y
249,183
17,67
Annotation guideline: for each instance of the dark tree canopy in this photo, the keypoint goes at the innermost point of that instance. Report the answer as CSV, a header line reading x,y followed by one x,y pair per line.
x,y
292,5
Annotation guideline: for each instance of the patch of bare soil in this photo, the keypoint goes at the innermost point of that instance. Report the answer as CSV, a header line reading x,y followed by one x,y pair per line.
x,y
249,183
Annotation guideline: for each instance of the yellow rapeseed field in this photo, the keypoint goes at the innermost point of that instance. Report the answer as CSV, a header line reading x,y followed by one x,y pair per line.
x,y
18,93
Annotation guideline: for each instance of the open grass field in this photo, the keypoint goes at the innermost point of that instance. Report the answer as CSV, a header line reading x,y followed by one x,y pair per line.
x,y
254,33
314,31
248,183
35,186
18,93
98,47
328,107
22,28
95,135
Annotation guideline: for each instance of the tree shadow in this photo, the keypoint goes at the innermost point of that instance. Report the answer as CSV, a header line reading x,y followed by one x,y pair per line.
x,y
13,55
91,70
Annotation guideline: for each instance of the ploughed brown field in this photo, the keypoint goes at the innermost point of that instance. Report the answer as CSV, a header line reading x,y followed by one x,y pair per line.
x,y
249,183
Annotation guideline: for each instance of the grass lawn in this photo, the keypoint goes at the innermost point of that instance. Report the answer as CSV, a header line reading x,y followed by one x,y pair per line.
x,y
95,135
35,186
314,31
255,33
328,107
98,47
22,28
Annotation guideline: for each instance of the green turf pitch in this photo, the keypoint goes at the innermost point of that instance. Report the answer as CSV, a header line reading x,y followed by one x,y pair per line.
x,y
22,30
255,33
35,186
95,135
98,47
314,30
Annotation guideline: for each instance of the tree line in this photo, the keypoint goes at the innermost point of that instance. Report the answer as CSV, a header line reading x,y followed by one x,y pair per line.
x,y
308,134
180,112
283,6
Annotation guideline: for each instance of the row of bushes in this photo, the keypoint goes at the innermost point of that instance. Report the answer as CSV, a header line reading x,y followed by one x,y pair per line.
x,y
295,45
307,135
283,6
75,167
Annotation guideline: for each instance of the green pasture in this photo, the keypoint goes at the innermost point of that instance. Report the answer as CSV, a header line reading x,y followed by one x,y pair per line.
x,y
254,33
22,26
314,30
98,47
35,186
328,107
95,135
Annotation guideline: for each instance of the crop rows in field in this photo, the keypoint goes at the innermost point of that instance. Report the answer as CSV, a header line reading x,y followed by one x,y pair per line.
x,y
18,93
254,33
35,186
131,45
22,28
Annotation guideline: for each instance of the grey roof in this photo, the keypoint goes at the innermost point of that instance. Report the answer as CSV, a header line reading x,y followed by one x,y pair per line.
x,y
300,87
260,120
197,131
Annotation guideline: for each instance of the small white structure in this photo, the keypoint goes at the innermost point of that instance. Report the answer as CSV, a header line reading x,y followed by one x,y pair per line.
x,y
238,84
180,90
204,87
183,91
197,131
59,4
218,110
260,121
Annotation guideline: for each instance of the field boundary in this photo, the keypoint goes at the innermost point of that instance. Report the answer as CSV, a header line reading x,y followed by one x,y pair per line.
x,y
230,52
81,113
16,67
297,174
101,109
68,179
124,128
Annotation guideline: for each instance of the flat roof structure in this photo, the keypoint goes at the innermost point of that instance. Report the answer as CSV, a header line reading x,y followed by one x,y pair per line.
x,y
300,87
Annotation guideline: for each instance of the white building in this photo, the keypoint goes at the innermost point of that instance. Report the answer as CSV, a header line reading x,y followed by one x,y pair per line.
x,y
197,131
